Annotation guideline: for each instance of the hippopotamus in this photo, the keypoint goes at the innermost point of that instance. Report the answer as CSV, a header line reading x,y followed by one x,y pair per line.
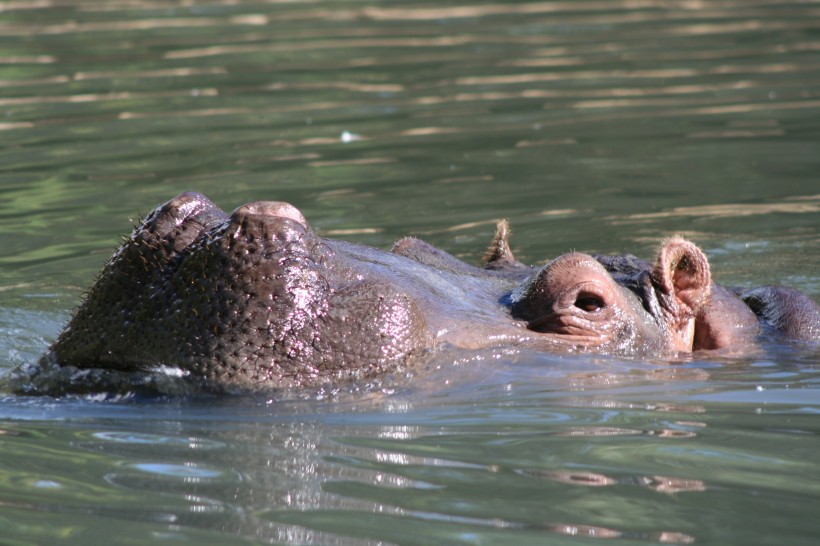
x,y
257,299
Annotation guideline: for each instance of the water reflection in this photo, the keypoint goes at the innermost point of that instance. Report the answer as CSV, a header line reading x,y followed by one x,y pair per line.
x,y
794,205
105,97
377,468
72,27
148,74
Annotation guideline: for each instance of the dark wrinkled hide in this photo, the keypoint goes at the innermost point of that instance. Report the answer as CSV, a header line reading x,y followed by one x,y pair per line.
x,y
786,310
256,299
244,299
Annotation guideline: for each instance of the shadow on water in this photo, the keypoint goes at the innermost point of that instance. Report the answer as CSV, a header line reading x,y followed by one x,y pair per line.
x,y
591,126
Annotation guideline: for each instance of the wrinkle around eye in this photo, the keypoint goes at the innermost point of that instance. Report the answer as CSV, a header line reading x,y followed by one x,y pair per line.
x,y
589,303
564,322
572,328
589,296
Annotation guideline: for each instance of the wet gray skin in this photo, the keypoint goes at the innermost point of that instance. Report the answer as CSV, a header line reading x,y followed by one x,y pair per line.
x,y
256,299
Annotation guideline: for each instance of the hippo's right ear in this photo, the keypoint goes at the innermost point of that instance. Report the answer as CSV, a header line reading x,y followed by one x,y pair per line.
x,y
683,285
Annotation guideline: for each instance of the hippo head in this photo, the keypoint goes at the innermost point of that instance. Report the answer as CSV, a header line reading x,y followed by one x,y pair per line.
x,y
619,304
256,299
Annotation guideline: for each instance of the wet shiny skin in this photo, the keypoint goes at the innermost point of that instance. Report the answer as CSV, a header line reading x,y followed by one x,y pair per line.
x,y
257,300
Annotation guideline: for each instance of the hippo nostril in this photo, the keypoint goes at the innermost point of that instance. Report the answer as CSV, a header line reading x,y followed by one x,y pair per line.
x,y
275,209
590,303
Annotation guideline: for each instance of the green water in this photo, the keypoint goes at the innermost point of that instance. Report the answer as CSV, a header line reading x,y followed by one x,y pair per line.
x,y
590,125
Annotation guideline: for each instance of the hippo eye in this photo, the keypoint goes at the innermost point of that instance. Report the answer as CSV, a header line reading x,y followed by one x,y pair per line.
x,y
589,302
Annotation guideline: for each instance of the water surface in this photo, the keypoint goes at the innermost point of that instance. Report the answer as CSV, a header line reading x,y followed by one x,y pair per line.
x,y
589,125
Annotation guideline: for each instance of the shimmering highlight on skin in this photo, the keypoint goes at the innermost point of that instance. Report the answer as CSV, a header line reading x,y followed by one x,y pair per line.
x,y
256,299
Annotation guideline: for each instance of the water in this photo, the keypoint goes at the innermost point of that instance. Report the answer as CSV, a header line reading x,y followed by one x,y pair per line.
x,y
591,126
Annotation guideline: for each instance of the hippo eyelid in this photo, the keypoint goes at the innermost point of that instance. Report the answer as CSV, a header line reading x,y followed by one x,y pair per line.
x,y
589,302
589,296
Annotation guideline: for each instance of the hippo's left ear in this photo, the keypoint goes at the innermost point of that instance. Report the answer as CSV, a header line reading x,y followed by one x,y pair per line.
x,y
683,284
498,255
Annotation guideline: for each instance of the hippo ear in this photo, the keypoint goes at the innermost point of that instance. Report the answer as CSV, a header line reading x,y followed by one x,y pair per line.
x,y
682,282
498,254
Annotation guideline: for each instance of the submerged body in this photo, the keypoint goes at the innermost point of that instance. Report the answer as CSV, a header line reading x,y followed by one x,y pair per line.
x,y
256,299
